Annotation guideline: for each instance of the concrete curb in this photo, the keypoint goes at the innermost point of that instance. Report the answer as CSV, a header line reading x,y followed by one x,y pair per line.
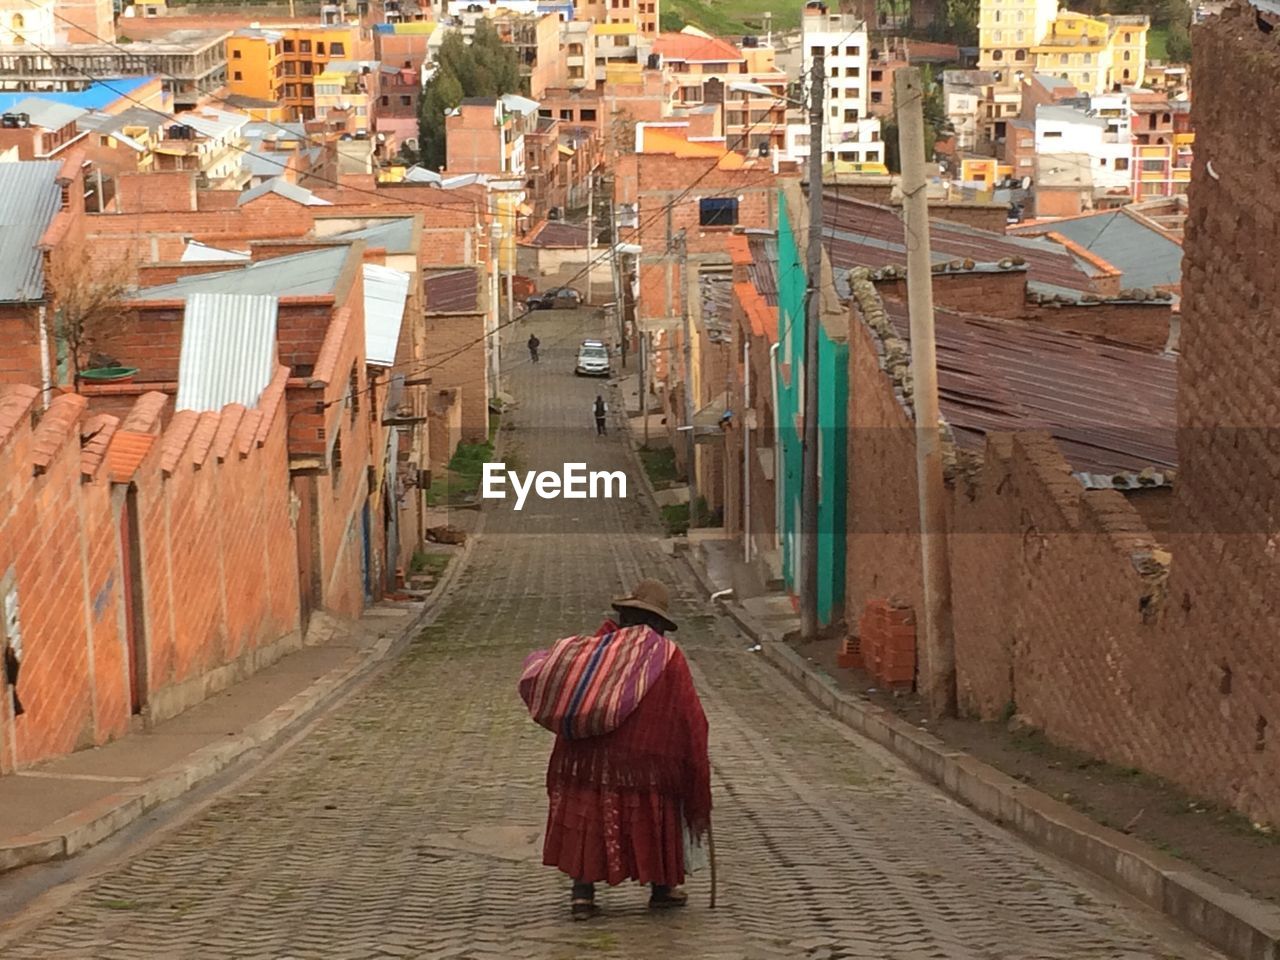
x,y
1214,910
108,815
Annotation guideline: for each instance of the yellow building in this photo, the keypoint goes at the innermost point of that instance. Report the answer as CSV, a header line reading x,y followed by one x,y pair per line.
x,y
1095,54
1008,31
282,63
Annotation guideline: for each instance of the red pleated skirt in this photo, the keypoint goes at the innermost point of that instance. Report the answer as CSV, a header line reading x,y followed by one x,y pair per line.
x,y
611,836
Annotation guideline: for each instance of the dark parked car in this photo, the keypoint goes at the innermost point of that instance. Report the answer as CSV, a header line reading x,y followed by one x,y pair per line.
x,y
557,298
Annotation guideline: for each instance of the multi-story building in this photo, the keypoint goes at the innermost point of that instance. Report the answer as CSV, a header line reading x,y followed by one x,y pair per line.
x,y
615,44
281,63
191,63
1091,52
1008,32
486,135
1067,132
208,141
706,70
577,54
352,85
851,133
642,13
32,22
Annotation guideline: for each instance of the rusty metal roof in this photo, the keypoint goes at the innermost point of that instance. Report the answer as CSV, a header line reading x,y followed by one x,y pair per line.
x,y
861,234
764,266
558,234
452,291
1109,407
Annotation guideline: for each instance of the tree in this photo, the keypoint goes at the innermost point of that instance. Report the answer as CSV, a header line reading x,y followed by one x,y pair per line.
x,y
486,67
936,123
86,300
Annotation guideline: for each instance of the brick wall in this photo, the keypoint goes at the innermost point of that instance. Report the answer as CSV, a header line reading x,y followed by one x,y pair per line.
x,y
1139,323
164,191
19,332
1223,575
219,583
990,293
456,354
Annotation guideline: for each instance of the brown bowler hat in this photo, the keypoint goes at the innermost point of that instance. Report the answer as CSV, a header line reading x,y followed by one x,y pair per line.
x,y
649,595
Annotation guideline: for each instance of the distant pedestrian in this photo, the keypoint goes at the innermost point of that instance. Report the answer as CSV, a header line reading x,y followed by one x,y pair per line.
x,y
534,343
629,781
601,410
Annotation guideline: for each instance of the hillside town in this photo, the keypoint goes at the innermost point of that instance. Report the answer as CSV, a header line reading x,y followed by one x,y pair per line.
x,y
368,367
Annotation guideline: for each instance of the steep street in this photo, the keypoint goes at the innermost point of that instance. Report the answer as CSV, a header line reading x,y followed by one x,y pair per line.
x,y
408,823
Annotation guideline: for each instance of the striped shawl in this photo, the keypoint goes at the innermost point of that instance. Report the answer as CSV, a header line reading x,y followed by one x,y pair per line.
x,y
586,686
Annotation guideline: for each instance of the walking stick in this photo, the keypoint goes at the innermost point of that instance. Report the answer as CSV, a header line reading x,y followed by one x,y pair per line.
x,y
711,852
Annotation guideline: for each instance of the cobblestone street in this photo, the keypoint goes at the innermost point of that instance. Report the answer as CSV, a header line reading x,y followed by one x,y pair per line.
x,y
408,823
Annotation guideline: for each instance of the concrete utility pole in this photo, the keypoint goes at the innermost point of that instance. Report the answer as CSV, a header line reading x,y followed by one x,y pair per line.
x,y
690,446
813,313
591,229
938,668
618,300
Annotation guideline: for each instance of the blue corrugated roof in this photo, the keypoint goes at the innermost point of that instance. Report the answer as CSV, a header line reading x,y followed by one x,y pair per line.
x,y
97,96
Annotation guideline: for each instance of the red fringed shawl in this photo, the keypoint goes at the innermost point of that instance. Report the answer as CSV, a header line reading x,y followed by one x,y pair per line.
x,y
660,747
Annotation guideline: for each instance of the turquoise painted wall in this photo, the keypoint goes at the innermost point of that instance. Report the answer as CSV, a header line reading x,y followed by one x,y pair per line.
x,y
833,399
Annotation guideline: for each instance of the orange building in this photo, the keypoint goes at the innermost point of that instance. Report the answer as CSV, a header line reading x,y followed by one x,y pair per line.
x,y
281,63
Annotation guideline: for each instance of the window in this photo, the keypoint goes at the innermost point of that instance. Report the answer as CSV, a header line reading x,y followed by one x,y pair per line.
x,y
335,461
873,156
353,391
566,114
288,46
876,76
1088,58
997,16
319,49
1086,79
815,51
718,211
306,68
852,71
386,101
18,21
405,101
1062,58
1126,75
587,116
1019,54
997,54
1052,134
851,51
304,46
877,96
1122,163
851,116
237,76
1024,162
235,55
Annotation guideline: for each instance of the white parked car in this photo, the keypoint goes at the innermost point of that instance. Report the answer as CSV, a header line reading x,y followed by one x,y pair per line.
x,y
593,359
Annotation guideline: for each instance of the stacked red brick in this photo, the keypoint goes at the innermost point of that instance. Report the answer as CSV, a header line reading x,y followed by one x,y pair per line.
x,y
887,643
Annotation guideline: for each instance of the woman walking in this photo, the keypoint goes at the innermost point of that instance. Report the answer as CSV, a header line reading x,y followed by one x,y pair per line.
x,y
629,781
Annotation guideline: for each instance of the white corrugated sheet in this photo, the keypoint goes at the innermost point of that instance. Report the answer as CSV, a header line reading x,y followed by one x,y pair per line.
x,y
228,350
385,291
196,250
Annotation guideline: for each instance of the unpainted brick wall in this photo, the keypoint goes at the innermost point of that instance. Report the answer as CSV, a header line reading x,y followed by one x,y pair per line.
x,y
217,555
456,358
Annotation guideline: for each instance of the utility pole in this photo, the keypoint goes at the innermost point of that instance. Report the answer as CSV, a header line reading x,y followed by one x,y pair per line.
x,y
939,662
591,227
690,445
618,301
813,313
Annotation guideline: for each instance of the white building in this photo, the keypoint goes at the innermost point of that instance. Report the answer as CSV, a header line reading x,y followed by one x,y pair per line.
x,y
1104,141
28,22
850,133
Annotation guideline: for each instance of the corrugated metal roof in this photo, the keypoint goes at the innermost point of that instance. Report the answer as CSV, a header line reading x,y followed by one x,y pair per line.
x,y
290,191
310,274
228,350
29,198
385,291
453,291
763,268
49,114
395,236
558,234
1109,407
1145,257
861,234
197,252
211,122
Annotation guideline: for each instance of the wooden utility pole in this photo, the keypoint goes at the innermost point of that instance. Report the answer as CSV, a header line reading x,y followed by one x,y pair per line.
x,y
938,666
619,301
813,313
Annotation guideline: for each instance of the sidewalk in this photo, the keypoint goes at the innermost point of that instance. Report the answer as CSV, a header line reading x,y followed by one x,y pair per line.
x,y
1213,909
61,807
